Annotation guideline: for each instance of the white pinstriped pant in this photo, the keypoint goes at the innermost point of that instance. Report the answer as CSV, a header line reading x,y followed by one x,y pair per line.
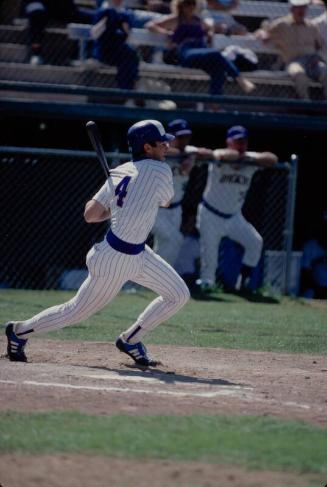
x,y
168,239
213,228
108,272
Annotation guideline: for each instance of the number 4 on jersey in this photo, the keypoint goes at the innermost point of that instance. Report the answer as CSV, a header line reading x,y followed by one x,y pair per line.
x,y
121,190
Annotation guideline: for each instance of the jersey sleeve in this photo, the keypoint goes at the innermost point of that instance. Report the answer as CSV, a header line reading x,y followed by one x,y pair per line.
x,y
166,189
104,196
251,170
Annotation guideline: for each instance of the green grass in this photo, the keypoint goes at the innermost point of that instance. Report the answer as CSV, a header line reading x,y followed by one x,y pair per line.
x,y
225,321
251,442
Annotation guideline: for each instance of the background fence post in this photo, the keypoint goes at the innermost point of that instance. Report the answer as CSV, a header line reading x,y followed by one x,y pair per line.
x,y
289,230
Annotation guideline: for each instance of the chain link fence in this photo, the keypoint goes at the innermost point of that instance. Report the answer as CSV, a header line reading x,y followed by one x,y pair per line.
x,y
44,238
59,49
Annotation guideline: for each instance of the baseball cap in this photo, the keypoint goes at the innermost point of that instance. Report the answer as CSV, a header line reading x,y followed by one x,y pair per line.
x,y
237,132
299,3
146,131
179,127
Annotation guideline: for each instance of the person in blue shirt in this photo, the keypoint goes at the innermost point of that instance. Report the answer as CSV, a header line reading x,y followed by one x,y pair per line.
x,y
112,25
39,13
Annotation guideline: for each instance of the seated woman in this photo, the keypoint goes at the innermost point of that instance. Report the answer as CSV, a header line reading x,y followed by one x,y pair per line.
x,y
190,38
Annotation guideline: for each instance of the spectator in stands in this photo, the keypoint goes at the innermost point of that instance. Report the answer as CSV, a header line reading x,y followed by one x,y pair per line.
x,y
223,22
110,30
160,6
190,39
138,16
40,12
301,47
321,23
314,264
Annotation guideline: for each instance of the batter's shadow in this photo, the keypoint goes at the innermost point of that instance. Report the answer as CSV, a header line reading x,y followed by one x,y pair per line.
x,y
169,377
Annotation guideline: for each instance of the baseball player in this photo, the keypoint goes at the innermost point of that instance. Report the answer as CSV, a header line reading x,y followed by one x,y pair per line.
x,y
141,186
168,238
219,213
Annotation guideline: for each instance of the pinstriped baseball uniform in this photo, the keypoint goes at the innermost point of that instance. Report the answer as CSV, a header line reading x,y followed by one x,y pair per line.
x,y
168,237
219,215
140,188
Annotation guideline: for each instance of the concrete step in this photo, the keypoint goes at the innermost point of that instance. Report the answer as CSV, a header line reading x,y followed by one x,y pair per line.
x,y
57,47
278,86
13,53
13,34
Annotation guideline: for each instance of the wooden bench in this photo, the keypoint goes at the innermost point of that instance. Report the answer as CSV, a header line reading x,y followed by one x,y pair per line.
x,y
269,10
275,79
247,8
142,37
269,83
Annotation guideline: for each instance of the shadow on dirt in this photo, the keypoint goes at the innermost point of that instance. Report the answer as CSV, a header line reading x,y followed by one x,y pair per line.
x,y
167,376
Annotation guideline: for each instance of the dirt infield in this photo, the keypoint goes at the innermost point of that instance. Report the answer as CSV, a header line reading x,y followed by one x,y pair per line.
x,y
83,471
94,378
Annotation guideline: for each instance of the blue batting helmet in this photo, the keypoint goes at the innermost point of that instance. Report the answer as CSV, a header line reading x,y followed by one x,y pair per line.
x,y
179,127
237,132
146,131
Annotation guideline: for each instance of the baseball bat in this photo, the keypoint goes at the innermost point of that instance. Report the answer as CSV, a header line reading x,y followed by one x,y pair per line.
x,y
94,135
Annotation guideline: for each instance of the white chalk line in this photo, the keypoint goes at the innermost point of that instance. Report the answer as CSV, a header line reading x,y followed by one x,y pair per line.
x,y
227,391
244,393
224,392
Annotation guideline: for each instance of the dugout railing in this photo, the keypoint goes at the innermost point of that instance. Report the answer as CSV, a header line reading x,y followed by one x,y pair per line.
x,y
44,238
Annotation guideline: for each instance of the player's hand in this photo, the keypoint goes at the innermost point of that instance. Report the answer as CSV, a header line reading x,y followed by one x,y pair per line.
x,y
228,155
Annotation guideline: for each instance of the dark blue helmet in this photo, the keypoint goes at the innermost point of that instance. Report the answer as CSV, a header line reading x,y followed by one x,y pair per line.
x,y
146,131
179,127
237,132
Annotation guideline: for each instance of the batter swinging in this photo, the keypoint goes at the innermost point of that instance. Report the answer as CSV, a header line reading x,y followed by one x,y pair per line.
x,y
141,187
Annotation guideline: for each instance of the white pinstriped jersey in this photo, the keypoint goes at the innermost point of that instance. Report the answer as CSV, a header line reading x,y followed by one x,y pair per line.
x,y
180,180
227,187
140,188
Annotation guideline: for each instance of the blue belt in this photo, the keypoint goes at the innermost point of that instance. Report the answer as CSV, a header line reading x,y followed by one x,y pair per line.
x,y
174,205
124,247
216,212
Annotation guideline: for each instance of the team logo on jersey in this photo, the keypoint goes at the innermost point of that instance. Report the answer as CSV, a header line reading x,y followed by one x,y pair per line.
x,y
234,179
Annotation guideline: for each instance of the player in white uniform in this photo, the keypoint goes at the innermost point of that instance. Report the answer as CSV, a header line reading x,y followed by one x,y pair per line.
x,y
168,238
140,187
219,213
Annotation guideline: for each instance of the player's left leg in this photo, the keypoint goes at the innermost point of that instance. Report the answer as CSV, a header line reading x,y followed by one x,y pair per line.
x,y
161,278
241,231
168,238
108,271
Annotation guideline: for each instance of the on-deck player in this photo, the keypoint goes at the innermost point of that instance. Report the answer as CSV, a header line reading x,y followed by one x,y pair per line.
x,y
219,213
168,238
141,187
